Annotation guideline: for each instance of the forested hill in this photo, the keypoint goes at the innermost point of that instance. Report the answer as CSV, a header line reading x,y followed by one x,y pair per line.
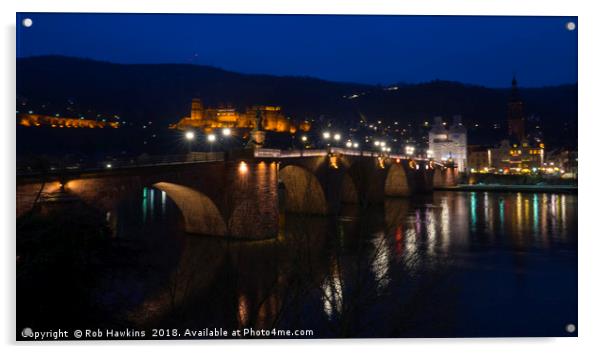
x,y
161,93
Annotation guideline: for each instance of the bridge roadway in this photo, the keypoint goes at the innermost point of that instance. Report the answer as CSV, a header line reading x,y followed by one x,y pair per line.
x,y
240,193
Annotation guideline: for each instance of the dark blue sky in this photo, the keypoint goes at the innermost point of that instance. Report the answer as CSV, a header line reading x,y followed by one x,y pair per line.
x,y
367,49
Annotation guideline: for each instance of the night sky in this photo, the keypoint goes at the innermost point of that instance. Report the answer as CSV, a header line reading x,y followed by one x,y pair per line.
x,y
365,49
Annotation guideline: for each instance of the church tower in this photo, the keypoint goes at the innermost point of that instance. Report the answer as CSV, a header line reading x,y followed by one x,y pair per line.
x,y
196,111
516,117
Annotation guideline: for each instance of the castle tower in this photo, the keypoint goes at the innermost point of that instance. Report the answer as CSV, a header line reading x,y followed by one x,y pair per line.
x,y
257,135
196,111
516,117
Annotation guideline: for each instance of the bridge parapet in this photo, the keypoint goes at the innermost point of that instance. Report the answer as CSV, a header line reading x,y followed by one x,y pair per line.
x,y
277,153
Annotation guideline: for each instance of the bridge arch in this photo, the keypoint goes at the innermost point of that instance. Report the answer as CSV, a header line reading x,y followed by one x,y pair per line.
x,y
397,183
303,192
201,215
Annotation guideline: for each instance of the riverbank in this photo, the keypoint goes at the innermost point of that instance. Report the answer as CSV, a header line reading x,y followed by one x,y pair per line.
x,y
512,188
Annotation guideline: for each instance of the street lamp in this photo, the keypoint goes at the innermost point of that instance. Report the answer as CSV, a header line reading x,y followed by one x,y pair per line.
x,y
226,132
409,150
189,137
211,139
337,137
304,138
349,144
356,145
326,136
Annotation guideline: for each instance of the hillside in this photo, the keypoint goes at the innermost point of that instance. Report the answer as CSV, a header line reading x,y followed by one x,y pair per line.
x,y
161,93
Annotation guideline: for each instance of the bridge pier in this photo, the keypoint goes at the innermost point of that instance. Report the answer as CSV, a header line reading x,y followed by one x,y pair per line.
x,y
445,177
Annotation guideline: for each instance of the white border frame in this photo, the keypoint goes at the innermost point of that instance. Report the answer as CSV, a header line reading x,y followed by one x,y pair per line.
x,y
590,116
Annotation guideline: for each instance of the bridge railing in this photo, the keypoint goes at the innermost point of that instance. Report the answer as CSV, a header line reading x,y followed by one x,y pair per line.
x,y
26,169
55,167
277,153
171,159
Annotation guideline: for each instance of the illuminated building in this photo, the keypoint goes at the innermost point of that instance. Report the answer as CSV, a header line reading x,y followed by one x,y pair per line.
x,y
515,158
208,119
479,158
518,153
562,161
40,120
506,158
448,144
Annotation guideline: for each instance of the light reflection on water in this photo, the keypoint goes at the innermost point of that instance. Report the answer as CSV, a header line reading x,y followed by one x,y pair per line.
x,y
332,288
448,263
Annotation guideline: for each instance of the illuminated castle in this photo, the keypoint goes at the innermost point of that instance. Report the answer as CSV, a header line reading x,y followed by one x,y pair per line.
x,y
209,119
38,120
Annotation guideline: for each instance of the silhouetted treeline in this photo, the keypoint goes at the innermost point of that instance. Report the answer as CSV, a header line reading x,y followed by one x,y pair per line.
x,y
161,93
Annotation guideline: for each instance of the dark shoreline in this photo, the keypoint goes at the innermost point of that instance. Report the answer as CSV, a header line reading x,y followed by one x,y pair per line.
x,y
511,188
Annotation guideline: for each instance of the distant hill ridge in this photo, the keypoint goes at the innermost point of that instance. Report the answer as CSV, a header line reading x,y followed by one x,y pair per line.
x,y
161,93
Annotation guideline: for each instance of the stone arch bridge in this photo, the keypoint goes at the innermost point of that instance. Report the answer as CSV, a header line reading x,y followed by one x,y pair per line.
x,y
241,194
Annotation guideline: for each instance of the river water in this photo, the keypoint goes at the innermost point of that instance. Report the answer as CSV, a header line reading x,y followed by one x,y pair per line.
x,y
443,264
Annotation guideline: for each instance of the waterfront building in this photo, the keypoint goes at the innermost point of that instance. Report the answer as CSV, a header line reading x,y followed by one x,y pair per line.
x,y
479,158
448,144
520,152
562,161
517,158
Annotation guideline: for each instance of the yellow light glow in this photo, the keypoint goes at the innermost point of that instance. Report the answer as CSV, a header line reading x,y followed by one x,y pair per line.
x,y
243,168
333,161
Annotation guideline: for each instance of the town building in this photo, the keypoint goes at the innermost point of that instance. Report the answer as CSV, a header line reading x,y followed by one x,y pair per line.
x,y
520,152
448,144
562,161
479,158
517,158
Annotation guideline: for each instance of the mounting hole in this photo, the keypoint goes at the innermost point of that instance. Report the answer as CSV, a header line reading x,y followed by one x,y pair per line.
x,y
570,328
571,26
27,22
